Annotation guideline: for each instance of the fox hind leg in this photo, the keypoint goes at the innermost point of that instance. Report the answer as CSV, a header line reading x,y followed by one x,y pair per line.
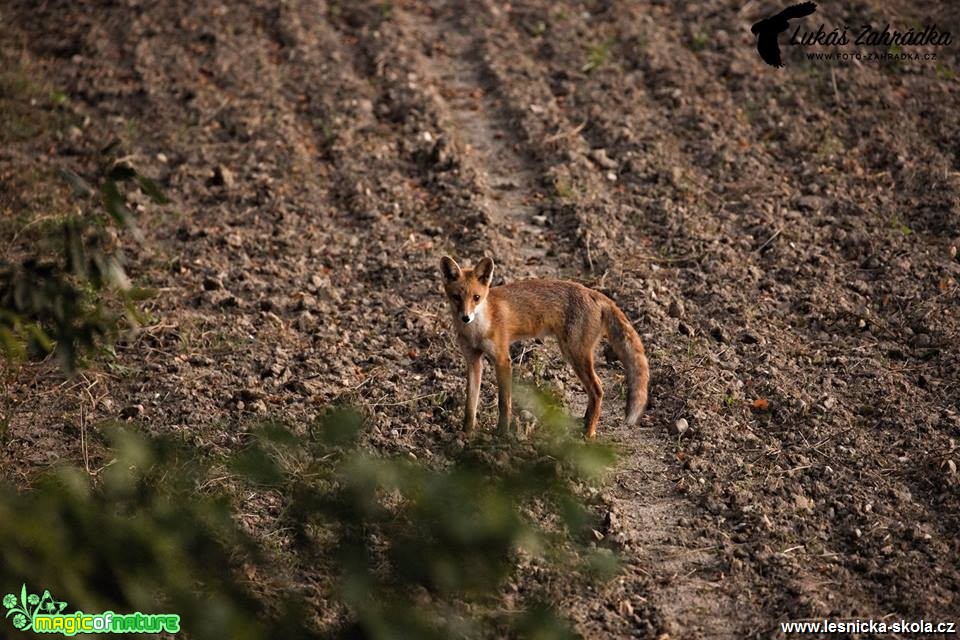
x,y
582,362
504,390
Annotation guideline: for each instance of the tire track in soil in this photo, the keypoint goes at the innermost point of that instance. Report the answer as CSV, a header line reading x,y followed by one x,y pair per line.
x,y
471,114
666,568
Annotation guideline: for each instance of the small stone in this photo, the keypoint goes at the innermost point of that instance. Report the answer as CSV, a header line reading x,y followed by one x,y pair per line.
x,y
251,394
222,298
952,251
675,310
829,402
813,203
222,176
921,340
602,159
306,302
679,427
365,107
802,502
305,321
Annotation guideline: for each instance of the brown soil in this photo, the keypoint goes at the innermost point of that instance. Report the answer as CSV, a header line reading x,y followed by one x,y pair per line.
x,y
786,236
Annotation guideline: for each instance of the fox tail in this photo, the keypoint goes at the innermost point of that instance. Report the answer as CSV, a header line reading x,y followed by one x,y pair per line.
x,y
628,347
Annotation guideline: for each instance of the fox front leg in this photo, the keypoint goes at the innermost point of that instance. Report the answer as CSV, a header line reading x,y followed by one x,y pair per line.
x,y
474,373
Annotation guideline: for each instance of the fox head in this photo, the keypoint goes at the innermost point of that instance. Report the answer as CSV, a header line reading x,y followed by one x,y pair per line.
x,y
466,289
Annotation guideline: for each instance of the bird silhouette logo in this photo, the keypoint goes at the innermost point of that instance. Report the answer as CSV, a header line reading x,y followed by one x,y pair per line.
x,y
768,29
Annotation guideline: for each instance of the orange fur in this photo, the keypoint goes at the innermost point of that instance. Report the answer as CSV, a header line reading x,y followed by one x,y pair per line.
x,y
489,319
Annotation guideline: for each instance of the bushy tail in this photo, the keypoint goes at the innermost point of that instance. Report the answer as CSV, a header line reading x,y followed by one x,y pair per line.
x,y
628,347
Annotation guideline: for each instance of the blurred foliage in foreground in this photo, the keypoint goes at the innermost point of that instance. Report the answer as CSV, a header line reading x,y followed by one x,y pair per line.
x,y
53,299
393,548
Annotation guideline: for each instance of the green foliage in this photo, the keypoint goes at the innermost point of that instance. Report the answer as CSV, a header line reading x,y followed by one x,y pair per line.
x,y
143,530
53,299
597,56
898,225
698,40
401,549
536,29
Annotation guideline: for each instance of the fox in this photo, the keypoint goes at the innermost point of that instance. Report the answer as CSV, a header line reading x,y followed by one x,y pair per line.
x,y
489,319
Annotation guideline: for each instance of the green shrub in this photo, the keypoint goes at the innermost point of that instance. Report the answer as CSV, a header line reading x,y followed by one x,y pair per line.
x,y
69,292
397,549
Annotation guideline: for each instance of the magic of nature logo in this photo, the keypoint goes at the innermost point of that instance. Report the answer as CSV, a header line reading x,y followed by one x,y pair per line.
x,y
44,614
895,42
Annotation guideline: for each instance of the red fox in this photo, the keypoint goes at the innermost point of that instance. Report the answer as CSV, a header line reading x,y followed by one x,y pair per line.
x,y
489,319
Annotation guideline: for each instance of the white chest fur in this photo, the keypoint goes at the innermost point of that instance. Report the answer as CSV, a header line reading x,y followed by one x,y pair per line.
x,y
475,331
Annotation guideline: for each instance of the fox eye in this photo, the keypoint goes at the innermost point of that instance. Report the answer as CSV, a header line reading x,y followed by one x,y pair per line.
x,y
476,298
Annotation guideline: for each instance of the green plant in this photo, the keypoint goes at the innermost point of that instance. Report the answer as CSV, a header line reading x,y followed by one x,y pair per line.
x,y
564,188
398,548
54,299
698,40
897,224
945,73
597,56
536,29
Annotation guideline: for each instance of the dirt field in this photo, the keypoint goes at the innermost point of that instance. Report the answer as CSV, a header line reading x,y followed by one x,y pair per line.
x,y
785,241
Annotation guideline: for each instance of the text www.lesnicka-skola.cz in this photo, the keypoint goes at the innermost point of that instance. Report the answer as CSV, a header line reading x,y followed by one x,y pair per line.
x,y
867,626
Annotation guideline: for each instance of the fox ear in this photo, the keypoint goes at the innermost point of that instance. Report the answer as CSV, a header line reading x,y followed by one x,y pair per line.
x,y
449,268
484,270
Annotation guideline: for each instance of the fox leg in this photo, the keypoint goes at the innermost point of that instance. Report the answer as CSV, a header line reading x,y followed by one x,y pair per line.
x,y
583,366
504,389
474,373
